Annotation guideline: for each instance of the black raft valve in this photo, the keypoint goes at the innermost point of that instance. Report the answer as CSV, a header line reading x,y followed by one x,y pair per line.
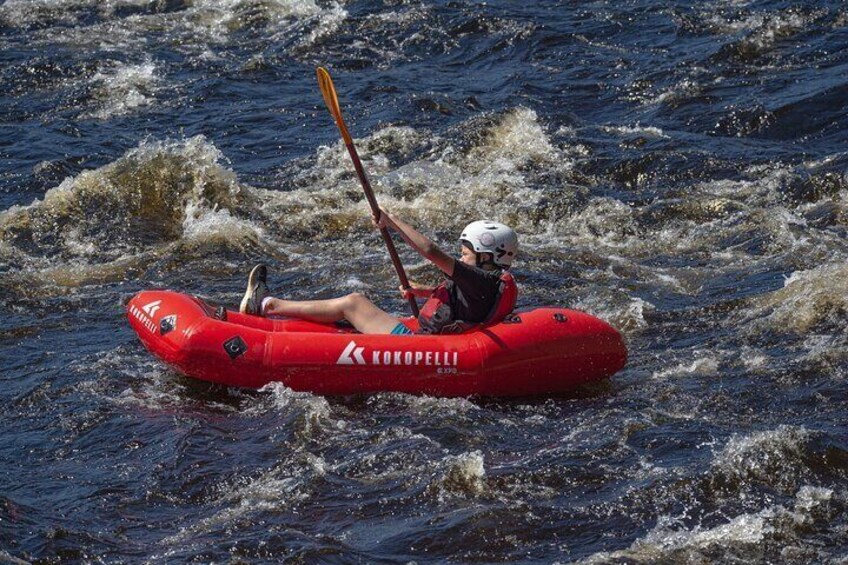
x,y
560,317
167,324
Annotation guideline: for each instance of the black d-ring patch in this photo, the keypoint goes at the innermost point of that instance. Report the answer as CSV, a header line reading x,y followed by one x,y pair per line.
x,y
235,346
560,317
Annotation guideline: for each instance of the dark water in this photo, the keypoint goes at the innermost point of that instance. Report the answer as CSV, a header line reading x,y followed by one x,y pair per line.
x,y
677,170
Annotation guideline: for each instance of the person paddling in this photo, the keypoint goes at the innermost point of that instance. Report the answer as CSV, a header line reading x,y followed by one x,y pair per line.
x,y
479,288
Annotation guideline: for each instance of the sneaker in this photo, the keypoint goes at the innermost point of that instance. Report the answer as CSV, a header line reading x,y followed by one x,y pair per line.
x,y
257,290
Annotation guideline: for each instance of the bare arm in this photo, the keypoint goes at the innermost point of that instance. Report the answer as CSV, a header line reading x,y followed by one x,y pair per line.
x,y
417,290
421,243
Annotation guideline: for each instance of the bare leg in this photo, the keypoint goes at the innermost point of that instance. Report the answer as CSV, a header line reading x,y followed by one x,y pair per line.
x,y
363,314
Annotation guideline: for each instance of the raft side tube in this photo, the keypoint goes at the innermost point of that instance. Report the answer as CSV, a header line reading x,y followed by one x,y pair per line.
x,y
540,351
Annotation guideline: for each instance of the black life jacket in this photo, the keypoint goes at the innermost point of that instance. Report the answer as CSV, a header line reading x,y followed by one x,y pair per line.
x,y
437,316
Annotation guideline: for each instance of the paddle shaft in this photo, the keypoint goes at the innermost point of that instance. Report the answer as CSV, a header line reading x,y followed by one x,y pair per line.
x,y
328,90
375,209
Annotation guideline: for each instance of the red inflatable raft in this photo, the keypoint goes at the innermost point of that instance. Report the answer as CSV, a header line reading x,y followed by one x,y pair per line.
x,y
540,351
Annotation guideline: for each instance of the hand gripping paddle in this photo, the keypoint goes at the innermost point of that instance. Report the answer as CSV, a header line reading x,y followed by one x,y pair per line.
x,y
325,83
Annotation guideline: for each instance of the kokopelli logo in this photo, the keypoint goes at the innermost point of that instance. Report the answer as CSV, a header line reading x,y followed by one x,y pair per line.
x,y
152,308
346,359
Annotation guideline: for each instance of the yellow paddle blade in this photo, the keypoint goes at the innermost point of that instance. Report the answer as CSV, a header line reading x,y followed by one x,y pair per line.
x,y
325,83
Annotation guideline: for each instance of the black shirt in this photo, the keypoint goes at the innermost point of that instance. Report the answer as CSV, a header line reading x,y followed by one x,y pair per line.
x,y
469,295
473,292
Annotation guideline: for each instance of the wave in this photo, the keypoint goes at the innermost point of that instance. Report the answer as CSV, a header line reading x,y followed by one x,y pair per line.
x,y
241,499
125,207
761,32
463,475
754,32
778,458
210,18
777,533
811,300
166,204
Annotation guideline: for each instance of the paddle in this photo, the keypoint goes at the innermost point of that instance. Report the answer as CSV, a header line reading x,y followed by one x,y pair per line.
x,y
332,101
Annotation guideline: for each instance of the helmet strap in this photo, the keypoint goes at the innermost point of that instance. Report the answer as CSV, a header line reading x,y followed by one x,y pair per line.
x,y
481,261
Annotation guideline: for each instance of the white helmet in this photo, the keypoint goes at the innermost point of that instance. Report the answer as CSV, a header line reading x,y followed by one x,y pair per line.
x,y
486,236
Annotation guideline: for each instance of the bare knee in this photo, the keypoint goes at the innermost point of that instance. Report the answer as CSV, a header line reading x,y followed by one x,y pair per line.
x,y
354,301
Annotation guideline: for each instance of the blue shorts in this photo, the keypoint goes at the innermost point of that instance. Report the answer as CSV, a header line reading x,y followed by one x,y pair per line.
x,y
400,329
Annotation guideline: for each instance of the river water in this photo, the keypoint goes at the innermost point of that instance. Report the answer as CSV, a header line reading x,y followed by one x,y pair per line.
x,y
678,169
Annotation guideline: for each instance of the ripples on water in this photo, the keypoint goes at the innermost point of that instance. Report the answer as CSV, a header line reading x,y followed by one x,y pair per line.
x,y
679,171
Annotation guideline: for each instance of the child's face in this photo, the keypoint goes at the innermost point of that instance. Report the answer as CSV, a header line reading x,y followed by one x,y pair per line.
x,y
467,256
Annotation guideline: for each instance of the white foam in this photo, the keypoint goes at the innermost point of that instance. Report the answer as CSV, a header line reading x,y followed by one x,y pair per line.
x,y
687,88
704,366
624,312
157,159
648,131
433,406
808,499
671,541
76,244
316,415
124,88
217,17
566,131
721,24
176,189
753,359
192,28
201,223
465,474
329,21
768,26
271,491
156,397
25,12
808,298
743,529
518,139
442,192
355,283
773,456
662,276
604,221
